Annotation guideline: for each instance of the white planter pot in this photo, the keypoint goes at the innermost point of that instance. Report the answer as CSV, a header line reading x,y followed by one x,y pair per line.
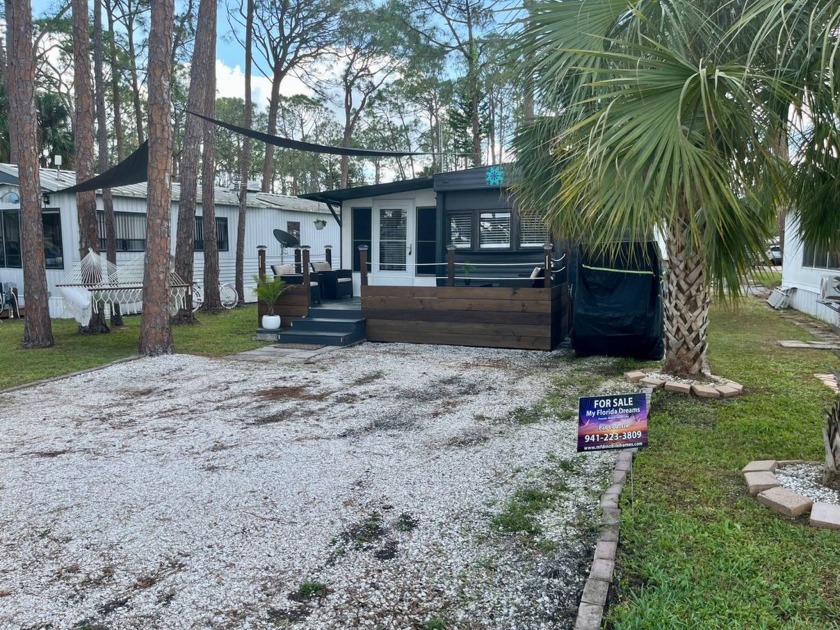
x,y
271,322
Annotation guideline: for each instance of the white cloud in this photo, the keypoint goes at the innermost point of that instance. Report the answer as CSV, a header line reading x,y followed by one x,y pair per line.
x,y
230,82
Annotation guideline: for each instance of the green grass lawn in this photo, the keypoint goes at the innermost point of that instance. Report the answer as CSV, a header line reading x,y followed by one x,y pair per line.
x,y
697,551
216,335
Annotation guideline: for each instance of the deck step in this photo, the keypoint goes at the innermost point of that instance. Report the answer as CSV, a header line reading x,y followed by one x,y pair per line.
x,y
329,324
326,312
326,338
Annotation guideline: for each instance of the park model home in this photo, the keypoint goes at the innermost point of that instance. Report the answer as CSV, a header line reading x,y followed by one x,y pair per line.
x,y
266,212
409,225
448,259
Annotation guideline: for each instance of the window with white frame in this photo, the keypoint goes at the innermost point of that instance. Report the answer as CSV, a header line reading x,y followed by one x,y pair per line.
x,y
460,230
532,231
494,230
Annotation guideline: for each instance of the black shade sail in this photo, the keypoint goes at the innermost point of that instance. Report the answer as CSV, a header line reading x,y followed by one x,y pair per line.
x,y
132,170
287,143
135,168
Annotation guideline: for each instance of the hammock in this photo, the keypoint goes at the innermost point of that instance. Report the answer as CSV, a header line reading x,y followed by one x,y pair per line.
x,y
94,283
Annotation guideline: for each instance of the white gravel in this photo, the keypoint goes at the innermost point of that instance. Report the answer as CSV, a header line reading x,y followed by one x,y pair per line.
x,y
186,492
806,479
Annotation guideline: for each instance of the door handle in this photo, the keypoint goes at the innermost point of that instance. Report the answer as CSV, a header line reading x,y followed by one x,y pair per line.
x,y
409,249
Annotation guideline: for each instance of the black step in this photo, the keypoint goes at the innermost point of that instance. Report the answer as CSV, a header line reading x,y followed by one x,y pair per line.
x,y
319,338
324,324
331,312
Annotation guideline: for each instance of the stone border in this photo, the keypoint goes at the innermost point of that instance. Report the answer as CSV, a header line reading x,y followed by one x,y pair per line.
x,y
765,487
722,388
593,602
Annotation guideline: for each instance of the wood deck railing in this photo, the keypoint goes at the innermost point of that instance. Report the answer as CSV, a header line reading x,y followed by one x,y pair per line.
x,y
495,317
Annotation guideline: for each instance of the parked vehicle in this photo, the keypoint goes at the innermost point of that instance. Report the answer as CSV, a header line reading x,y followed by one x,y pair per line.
x,y
774,254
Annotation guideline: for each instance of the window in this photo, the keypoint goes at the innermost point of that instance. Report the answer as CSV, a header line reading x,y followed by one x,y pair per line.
x,y
393,226
53,249
129,228
532,232
820,258
460,230
361,227
10,232
494,230
221,234
293,228
10,252
426,243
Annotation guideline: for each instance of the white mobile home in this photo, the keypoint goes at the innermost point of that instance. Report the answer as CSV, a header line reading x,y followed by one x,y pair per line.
x,y
803,269
266,212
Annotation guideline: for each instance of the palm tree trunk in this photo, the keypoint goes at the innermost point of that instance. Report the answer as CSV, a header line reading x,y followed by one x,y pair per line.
x,y
831,437
155,331
37,331
686,305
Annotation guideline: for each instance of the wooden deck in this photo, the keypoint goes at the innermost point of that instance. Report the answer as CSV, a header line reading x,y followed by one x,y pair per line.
x,y
493,317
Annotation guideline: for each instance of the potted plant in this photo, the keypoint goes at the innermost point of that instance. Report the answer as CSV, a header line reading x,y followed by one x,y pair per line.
x,y
268,291
320,224
467,269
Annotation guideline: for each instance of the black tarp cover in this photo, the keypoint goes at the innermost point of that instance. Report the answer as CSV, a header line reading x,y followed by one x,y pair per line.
x,y
617,307
132,170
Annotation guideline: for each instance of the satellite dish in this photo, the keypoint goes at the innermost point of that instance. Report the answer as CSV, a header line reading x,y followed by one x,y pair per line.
x,y
286,239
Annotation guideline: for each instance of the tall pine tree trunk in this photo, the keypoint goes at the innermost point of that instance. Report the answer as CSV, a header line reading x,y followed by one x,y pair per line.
x,y
686,304
244,159
83,140
115,84
23,125
203,58
212,300
135,84
155,331
102,137
273,106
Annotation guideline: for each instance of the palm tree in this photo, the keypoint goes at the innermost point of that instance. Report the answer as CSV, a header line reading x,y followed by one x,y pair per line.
x,y
654,118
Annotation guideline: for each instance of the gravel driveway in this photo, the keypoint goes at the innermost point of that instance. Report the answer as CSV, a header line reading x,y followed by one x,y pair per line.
x,y
365,488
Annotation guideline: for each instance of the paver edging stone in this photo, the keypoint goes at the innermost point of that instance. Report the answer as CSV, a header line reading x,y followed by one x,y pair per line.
x,y
716,388
593,601
786,502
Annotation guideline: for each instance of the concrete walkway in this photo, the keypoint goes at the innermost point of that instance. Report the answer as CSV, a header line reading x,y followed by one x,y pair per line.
x,y
283,353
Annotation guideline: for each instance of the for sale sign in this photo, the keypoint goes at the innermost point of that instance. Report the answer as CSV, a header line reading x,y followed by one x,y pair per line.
x,y
615,421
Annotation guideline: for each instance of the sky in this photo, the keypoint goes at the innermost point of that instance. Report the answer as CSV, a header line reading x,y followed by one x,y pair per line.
x,y
230,61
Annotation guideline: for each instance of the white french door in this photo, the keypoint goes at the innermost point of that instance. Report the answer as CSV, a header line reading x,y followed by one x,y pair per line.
x,y
393,241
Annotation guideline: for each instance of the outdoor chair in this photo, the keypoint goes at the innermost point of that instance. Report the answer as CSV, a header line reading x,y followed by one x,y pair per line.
x,y
337,283
9,299
287,273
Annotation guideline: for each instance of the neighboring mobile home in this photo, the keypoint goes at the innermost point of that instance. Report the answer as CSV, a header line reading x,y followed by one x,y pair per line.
x,y
266,212
807,276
